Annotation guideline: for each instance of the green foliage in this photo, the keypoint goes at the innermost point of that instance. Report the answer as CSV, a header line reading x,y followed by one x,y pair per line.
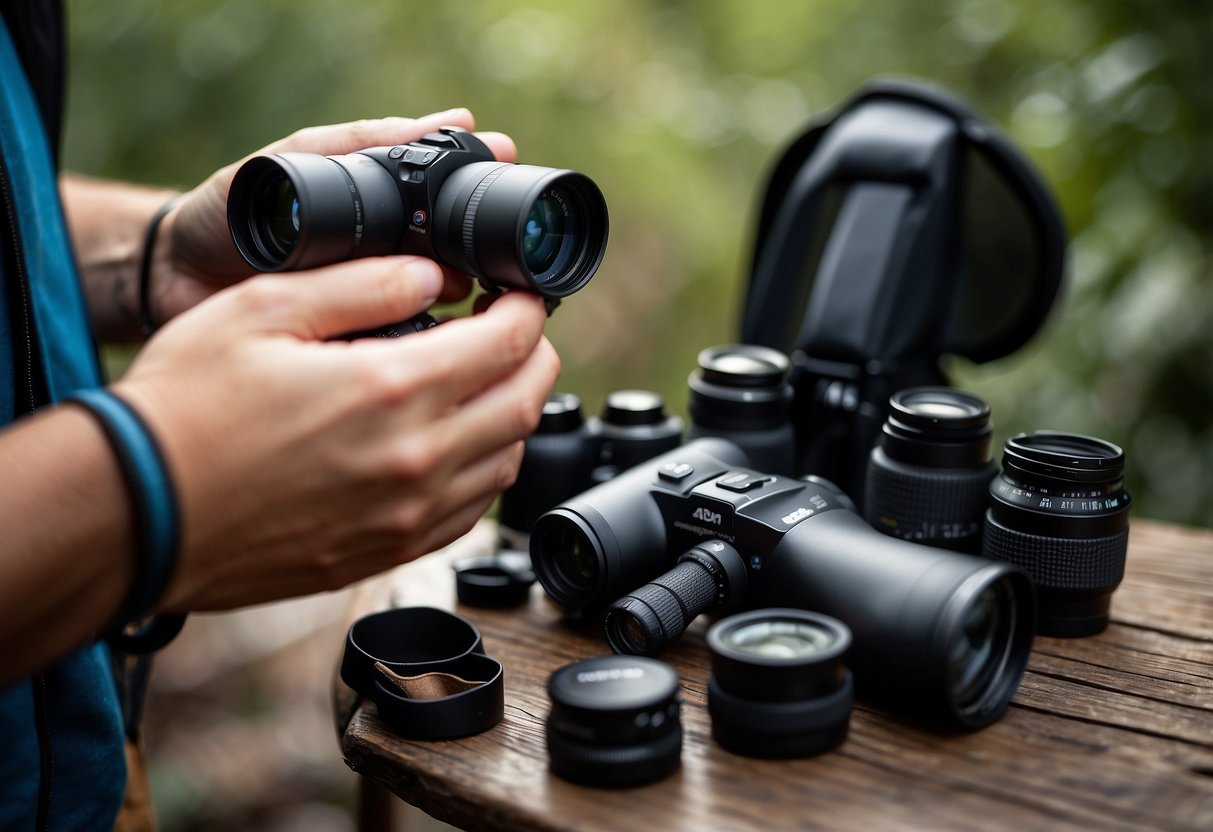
x,y
679,108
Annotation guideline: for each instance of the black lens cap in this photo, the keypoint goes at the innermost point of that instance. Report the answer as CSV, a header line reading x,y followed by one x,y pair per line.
x,y
498,581
615,721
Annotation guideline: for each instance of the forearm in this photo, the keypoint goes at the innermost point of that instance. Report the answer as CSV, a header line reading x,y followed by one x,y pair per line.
x,y
65,538
108,223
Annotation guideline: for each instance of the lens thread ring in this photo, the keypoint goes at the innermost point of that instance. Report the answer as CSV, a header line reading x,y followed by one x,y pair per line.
x,y
469,216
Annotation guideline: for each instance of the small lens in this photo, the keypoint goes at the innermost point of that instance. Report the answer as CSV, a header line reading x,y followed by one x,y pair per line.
x,y
779,685
929,474
627,631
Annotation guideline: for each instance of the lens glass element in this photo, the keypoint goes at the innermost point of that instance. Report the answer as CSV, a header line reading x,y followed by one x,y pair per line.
x,y
275,210
779,639
574,559
550,234
978,650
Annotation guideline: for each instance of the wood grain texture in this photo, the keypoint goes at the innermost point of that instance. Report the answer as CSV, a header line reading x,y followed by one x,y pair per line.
x,y
1113,732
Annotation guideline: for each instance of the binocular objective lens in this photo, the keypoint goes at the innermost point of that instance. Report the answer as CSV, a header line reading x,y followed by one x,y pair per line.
x,y
779,639
574,560
276,213
545,233
975,657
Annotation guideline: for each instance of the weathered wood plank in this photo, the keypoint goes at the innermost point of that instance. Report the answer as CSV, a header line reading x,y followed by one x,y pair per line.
x,y
1113,732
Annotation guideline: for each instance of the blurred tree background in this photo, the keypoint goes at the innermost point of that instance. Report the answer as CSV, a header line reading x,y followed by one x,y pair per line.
x,y
679,108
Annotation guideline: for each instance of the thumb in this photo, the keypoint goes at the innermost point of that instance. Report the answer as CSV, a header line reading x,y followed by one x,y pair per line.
x,y
358,294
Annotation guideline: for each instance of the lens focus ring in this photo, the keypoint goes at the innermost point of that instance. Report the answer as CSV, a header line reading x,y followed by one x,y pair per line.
x,y
1058,562
913,502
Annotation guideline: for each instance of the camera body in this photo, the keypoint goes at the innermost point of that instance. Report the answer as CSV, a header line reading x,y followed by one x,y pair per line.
x,y
443,196
944,632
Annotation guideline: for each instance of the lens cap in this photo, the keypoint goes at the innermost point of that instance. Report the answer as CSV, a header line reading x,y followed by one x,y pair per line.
x,y
503,580
779,685
615,721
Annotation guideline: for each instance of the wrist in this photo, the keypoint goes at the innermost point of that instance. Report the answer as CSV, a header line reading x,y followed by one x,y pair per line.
x,y
155,259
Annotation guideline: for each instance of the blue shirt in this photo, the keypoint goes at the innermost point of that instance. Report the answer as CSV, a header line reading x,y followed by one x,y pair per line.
x,y
61,733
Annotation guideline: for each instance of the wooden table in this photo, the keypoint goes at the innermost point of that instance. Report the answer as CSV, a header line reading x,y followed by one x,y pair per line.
x,y
1113,732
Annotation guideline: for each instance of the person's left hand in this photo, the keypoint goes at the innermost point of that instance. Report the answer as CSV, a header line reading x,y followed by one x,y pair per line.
x,y
195,256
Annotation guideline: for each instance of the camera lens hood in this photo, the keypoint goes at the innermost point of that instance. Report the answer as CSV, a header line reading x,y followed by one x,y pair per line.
x,y
426,672
503,580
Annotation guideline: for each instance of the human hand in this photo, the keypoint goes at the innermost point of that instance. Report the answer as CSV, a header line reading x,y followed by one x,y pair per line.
x,y
302,464
195,256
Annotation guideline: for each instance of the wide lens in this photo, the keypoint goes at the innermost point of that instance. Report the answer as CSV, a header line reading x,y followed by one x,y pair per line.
x,y
1060,510
779,639
566,559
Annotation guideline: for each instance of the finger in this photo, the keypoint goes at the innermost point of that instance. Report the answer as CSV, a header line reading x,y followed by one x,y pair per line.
x,y
333,139
454,527
502,415
449,363
359,294
456,286
503,147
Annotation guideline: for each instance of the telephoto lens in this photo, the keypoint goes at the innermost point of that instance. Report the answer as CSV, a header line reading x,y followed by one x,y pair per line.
x,y
633,427
555,466
443,196
1060,511
740,392
929,474
615,721
779,685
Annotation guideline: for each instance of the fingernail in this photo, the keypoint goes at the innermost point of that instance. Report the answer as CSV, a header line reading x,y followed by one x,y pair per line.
x,y
429,278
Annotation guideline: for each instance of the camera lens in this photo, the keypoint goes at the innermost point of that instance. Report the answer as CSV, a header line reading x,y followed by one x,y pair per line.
x,y
779,685
929,474
615,721
740,392
634,427
1060,510
978,652
546,234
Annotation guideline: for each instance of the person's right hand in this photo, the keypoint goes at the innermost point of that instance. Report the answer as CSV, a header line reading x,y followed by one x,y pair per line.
x,y
301,463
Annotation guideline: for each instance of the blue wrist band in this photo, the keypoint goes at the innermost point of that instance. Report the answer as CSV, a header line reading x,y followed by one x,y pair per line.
x,y
157,522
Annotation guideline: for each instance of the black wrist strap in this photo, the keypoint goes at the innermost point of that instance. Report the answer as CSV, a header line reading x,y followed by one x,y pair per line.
x,y
146,323
157,522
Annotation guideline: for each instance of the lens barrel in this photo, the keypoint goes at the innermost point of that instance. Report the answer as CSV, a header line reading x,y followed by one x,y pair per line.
x,y
779,684
929,474
1060,511
615,721
633,427
740,392
555,466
